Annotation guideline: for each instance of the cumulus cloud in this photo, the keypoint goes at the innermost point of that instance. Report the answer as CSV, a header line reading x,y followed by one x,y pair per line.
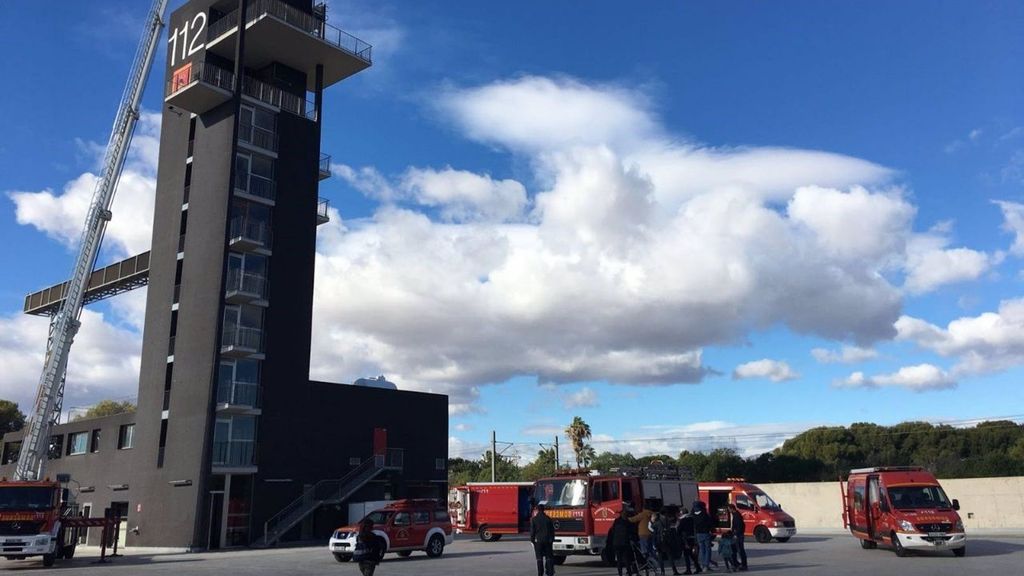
x,y
989,342
774,370
930,264
845,355
582,398
61,216
919,378
104,360
747,440
1013,222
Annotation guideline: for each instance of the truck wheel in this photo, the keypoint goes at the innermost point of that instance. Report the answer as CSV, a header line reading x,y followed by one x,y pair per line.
x,y
868,544
487,536
48,560
762,535
897,547
784,539
435,546
342,557
559,560
960,552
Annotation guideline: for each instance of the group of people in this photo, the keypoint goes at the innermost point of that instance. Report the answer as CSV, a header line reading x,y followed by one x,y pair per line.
x,y
670,533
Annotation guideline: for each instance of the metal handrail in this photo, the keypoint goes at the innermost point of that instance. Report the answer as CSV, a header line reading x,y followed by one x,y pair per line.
x,y
254,230
202,72
234,453
239,393
327,491
259,137
322,205
242,337
239,281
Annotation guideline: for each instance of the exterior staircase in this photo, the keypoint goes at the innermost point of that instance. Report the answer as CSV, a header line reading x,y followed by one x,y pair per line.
x,y
332,491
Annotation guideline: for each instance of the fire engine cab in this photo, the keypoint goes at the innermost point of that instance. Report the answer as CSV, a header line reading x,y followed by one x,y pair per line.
x,y
903,507
763,517
583,504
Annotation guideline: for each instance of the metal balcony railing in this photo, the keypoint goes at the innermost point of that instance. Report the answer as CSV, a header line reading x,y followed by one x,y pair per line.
x,y
256,185
286,101
312,24
230,453
258,137
252,231
322,205
239,393
325,166
202,72
254,284
242,338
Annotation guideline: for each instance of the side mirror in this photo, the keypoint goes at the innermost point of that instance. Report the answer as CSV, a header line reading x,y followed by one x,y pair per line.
x,y
956,504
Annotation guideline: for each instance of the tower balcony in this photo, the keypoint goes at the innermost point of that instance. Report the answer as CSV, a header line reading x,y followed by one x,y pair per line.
x,y
324,171
256,187
257,137
199,86
278,32
245,288
238,397
237,456
247,235
241,342
322,217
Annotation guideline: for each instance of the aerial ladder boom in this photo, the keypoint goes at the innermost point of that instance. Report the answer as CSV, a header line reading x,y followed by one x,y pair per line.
x,y
65,323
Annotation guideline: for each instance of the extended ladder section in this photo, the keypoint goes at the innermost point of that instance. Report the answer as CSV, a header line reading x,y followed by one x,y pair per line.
x,y
327,492
65,323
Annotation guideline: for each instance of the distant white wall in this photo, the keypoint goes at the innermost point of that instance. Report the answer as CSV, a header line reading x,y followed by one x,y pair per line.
x,y
985,503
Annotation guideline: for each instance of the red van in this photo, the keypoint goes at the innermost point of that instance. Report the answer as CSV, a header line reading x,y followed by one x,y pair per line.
x,y
903,507
491,509
764,518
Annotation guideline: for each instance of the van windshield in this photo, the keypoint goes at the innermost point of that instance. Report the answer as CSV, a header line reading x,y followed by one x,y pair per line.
x,y
567,492
764,501
921,496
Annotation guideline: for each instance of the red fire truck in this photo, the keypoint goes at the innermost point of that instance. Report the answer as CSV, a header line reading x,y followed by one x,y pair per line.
x,y
584,504
764,518
491,508
903,507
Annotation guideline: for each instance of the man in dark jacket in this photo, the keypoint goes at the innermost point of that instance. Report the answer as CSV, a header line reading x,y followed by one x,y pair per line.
x,y
542,535
689,540
703,526
737,525
369,548
620,538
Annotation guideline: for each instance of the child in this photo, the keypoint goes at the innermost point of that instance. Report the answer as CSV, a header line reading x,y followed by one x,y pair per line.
x,y
725,548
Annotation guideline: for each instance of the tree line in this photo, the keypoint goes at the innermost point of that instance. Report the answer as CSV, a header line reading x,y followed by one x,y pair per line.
x,y
994,448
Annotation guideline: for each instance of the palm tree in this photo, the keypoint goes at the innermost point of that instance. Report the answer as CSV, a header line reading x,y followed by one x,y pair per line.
x,y
578,433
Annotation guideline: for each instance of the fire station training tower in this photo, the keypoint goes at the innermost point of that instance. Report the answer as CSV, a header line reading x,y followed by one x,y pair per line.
x,y
225,358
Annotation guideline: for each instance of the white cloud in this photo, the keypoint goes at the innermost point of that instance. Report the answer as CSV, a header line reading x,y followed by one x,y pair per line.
x,y
582,398
543,430
989,342
747,440
919,378
62,215
1013,222
104,361
930,265
774,370
466,196
846,355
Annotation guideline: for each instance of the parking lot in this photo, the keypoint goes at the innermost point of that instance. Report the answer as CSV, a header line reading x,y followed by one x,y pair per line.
x,y
834,555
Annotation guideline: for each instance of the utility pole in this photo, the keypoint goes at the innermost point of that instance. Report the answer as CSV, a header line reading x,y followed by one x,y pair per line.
x,y
556,452
494,455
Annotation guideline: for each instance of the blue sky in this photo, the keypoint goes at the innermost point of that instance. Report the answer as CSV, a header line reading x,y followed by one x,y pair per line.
x,y
650,218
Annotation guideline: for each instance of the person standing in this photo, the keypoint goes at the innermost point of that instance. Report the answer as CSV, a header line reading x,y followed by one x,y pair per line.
x,y
369,548
620,538
643,528
542,535
661,534
703,527
738,527
689,541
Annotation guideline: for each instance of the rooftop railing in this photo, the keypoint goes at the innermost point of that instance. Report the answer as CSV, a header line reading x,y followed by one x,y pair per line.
x,y
312,24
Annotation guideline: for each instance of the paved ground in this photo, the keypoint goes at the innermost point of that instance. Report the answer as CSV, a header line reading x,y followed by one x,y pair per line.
x,y
817,555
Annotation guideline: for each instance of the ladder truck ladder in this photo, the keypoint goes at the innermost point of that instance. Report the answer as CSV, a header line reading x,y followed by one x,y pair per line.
x,y
65,323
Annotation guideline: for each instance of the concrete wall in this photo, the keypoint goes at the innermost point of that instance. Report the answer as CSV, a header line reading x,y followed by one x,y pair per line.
x,y
985,503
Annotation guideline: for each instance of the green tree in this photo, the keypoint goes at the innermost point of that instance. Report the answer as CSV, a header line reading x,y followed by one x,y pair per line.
x,y
461,471
607,461
542,467
505,470
106,408
579,432
11,418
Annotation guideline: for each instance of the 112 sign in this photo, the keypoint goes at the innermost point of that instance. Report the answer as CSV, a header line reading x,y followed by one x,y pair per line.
x,y
191,35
